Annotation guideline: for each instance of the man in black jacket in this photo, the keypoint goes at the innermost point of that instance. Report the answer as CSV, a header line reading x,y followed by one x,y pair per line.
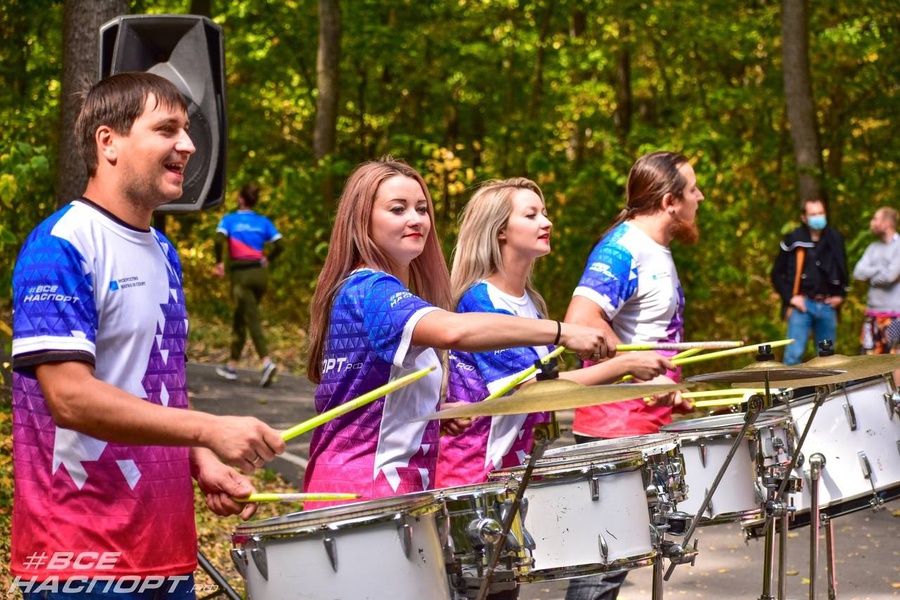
x,y
810,275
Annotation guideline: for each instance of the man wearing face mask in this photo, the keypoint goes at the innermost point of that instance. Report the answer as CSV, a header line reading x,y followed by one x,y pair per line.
x,y
810,275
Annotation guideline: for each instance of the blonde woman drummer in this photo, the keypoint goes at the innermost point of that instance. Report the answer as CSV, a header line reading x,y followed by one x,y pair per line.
x,y
379,312
504,230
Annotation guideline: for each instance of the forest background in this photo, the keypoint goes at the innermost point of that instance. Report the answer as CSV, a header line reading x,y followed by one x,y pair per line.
x,y
568,93
772,102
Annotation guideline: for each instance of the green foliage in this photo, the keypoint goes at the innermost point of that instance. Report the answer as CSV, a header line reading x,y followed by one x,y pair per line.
x,y
470,90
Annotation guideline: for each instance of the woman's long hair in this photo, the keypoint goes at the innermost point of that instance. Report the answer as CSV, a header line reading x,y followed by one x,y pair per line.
x,y
477,254
352,247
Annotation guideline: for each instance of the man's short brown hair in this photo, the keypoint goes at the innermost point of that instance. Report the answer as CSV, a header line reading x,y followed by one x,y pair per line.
x,y
117,102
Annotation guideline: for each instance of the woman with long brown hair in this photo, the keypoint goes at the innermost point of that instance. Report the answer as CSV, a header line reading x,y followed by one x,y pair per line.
x,y
379,312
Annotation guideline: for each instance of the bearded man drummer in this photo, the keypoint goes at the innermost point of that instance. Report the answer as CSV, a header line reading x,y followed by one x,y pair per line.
x,y
631,290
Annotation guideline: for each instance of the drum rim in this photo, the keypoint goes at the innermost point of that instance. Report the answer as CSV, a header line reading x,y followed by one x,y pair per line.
x,y
496,486
342,516
631,562
767,418
663,440
838,388
618,463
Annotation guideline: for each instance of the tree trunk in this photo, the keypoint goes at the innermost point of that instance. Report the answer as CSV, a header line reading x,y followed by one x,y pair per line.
x,y
537,86
623,112
575,149
328,85
81,33
798,97
327,78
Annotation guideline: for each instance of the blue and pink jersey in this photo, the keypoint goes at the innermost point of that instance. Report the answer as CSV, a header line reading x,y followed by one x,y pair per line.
x,y
248,233
87,287
633,279
375,451
490,443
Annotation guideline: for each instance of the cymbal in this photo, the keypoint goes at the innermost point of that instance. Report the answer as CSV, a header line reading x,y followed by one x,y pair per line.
x,y
852,367
767,370
555,394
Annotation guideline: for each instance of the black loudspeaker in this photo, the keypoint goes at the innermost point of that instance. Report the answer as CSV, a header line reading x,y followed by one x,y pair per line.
x,y
187,50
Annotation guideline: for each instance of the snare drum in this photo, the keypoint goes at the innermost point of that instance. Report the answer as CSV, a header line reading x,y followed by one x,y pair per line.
x,y
587,512
857,430
474,521
705,444
664,468
385,548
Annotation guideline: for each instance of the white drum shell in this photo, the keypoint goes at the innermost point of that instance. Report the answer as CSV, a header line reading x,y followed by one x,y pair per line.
x,y
705,444
567,522
876,435
371,562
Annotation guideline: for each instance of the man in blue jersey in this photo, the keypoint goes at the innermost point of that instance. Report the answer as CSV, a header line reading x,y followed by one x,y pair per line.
x,y
247,235
104,444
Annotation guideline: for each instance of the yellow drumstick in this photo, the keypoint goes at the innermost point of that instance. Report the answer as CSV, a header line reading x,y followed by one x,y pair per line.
x,y
718,402
289,434
296,497
720,393
678,346
716,394
732,352
525,374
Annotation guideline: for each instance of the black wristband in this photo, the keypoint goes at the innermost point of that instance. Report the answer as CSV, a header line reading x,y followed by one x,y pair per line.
x,y
558,333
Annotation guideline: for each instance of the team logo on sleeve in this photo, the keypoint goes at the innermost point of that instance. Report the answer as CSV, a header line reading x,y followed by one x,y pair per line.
x,y
399,297
44,293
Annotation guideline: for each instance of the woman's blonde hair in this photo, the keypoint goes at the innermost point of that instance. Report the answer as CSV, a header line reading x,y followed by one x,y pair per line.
x,y
352,247
477,254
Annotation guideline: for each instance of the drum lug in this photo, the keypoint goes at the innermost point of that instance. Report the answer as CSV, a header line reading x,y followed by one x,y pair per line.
x,y
702,447
527,538
604,548
892,403
851,416
405,532
709,505
262,563
594,482
760,493
512,543
865,465
331,551
239,558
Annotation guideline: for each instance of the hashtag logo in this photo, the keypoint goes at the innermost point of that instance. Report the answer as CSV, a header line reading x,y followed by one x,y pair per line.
x,y
35,560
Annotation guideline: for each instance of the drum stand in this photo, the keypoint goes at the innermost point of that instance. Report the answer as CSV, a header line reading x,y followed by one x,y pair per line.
x,y
777,507
544,435
676,553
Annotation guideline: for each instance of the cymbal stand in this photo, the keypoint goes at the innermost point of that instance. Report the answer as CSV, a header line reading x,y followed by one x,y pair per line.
x,y
544,435
816,464
829,556
776,506
677,555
